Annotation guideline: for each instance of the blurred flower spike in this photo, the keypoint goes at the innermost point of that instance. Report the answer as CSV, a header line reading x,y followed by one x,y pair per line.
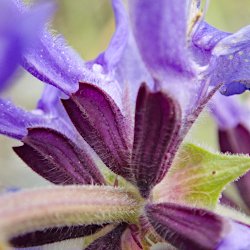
x,y
108,134
18,31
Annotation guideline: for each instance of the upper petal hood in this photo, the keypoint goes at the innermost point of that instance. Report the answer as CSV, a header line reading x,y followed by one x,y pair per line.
x,y
161,34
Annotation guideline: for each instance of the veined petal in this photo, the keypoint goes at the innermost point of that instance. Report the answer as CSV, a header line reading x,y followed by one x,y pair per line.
x,y
110,241
157,124
230,63
27,211
161,34
17,32
102,125
57,158
193,228
110,58
52,235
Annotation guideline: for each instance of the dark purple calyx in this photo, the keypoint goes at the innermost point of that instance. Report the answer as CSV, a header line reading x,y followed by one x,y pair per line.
x,y
102,125
237,141
58,159
52,235
110,241
157,125
186,228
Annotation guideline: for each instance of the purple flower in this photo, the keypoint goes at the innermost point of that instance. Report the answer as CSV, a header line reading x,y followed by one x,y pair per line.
x,y
17,34
226,55
129,109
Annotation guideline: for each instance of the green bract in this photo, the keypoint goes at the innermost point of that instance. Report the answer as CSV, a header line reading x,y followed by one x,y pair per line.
x,y
197,177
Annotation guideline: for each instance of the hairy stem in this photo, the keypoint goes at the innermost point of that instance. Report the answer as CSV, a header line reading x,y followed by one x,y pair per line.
x,y
36,209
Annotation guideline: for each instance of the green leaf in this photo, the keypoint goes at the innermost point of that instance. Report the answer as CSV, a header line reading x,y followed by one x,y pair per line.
x,y
197,177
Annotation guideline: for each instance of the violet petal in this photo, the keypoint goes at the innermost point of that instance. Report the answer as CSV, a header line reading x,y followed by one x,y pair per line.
x,y
110,241
157,123
44,62
57,158
160,33
186,228
109,59
53,235
102,125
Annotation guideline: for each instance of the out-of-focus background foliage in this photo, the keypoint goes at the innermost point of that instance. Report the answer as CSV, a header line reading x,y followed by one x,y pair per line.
x,y
88,26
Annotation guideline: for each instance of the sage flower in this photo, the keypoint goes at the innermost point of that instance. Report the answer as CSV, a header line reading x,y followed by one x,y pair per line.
x,y
17,34
227,55
109,135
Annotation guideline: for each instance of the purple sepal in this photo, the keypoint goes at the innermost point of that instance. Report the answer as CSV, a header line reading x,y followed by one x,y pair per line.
x,y
237,141
52,235
186,228
110,241
102,125
157,124
57,158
